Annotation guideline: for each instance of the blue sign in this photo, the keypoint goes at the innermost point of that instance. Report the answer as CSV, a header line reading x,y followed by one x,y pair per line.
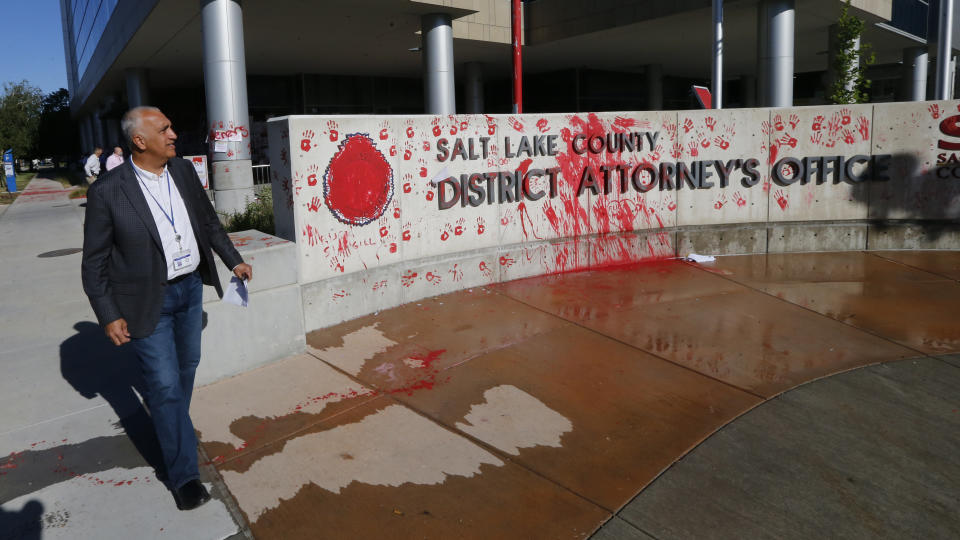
x,y
8,171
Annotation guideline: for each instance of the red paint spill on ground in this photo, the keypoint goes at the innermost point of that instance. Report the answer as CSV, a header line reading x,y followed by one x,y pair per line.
x,y
358,184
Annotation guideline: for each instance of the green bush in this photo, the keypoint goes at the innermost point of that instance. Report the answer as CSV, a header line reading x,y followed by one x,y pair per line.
x,y
257,215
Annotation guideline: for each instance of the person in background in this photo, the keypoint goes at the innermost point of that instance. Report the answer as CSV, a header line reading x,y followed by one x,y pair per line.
x,y
116,158
92,167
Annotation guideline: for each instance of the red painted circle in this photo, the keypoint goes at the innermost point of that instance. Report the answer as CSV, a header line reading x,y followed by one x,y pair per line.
x,y
358,184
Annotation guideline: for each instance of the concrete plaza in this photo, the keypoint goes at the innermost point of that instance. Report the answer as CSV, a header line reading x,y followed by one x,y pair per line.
x,y
664,400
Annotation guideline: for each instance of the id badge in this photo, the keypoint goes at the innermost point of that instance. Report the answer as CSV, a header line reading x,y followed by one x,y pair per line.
x,y
181,260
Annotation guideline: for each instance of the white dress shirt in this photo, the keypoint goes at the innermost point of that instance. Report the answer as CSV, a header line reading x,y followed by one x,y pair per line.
x,y
162,200
92,168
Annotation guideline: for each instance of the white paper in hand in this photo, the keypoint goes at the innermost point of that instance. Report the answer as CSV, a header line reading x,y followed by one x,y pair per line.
x,y
236,292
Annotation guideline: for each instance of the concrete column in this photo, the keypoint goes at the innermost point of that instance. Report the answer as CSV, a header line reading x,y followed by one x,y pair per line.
x,y
474,87
944,38
138,93
98,131
913,81
748,91
437,50
717,72
225,82
114,137
86,136
775,62
655,87
952,77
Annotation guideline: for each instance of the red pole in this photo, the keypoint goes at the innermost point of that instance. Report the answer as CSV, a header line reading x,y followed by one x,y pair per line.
x,y
517,60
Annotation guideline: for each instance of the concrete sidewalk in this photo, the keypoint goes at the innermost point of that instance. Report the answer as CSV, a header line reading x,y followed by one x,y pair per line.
x,y
554,407
539,408
72,422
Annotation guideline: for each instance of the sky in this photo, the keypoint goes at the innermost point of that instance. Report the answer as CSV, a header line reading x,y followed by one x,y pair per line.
x,y
32,44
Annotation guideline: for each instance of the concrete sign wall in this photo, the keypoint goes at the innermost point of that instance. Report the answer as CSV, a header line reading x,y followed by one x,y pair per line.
x,y
387,210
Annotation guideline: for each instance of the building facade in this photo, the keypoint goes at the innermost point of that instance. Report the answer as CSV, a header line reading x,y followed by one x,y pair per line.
x,y
220,65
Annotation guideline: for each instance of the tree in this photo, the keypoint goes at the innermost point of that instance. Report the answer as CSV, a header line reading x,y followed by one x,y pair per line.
x,y
20,107
850,84
58,135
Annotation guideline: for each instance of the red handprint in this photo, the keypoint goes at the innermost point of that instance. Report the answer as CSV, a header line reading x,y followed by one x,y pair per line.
x,y
778,123
817,123
426,146
794,120
312,175
484,268
410,132
314,204
506,262
334,134
458,229
738,198
816,138
407,154
306,143
710,122
845,116
516,124
429,195
384,231
542,125
692,147
432,278
863,126
407,279
721,142
480,225
848,137
721,200
781,198
687,125
788,140
405,235
407,188
766,128
384,134
704,141
676,150
396,212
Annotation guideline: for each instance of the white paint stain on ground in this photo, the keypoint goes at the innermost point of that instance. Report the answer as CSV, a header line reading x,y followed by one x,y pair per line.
x,y
79,508
357,348
389,448
511,419
269,392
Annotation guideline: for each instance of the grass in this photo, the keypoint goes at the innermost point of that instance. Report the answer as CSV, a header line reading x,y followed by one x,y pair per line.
x,y
23,179
257,215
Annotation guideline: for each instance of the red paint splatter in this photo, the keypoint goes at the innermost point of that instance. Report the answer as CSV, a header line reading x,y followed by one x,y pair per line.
x,y
358,184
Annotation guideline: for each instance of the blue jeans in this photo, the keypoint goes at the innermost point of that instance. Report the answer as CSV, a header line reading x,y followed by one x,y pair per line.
x,y
169,358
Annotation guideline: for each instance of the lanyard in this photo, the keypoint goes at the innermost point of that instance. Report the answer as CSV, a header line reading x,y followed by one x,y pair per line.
x,y
170,217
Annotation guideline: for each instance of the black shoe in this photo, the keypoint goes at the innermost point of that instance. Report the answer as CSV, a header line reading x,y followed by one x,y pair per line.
x,y
190,495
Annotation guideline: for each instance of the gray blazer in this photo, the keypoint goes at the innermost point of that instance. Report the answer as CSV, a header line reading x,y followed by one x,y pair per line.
x,y
123,270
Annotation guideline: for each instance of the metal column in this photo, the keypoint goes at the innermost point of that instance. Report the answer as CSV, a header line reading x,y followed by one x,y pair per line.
x,y
517,39
654,87
474,87
437,50
913,82
225,82
776,21
138,93
944,50
717,87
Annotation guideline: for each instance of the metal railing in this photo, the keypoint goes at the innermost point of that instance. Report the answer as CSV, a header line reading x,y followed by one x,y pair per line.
x,y
261,174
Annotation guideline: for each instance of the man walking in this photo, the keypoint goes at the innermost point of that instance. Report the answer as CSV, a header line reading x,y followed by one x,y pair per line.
x,y
115,159
92,167
148,243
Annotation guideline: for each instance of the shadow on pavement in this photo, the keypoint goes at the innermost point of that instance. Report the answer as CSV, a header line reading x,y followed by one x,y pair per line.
x,y
23,525
94,366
